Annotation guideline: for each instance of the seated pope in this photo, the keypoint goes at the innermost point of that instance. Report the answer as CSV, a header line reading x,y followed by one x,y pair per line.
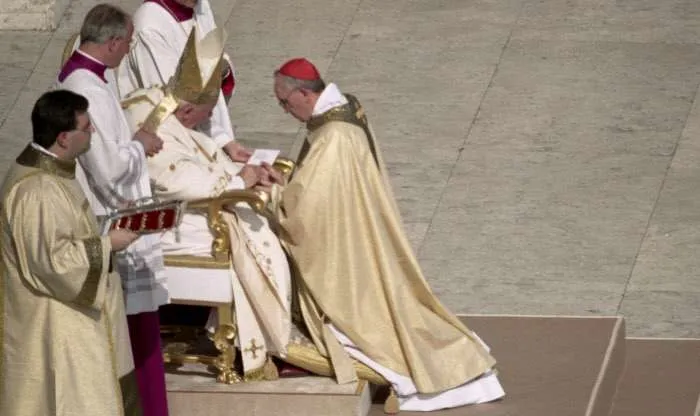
x,y
192,166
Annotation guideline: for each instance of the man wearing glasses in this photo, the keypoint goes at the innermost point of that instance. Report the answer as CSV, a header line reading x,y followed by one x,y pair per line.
x,y
363,296
113,173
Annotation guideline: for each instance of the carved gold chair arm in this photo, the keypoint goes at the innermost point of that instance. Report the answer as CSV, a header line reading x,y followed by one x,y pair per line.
x,y
214,207
285,166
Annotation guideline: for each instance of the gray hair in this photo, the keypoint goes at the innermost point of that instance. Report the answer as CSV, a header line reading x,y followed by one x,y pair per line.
x,y
103,23
316,85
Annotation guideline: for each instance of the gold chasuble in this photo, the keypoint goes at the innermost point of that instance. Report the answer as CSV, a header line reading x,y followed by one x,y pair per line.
x,y
64,344
356,269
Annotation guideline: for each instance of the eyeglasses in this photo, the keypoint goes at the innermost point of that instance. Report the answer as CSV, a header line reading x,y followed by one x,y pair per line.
x,y
284,102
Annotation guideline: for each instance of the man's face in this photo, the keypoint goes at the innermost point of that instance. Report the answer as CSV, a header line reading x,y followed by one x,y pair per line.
x,y
121,46
293,100
192,115
79,138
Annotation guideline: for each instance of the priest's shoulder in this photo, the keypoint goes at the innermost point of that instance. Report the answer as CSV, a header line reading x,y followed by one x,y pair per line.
x,y
150,15
101,101
33,186
342,131
82,81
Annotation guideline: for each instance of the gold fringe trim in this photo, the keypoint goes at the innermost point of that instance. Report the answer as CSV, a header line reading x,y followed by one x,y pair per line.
x,y
267,372
308,358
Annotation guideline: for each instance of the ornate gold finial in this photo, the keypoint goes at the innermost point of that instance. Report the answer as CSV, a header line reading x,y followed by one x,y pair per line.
x,y
197,78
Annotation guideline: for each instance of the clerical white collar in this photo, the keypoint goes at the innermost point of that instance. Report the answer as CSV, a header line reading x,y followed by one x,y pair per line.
x,y
331,97
90,57
42,150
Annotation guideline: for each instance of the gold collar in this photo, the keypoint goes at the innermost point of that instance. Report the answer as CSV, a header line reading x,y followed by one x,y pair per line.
x,y
351,112
33,158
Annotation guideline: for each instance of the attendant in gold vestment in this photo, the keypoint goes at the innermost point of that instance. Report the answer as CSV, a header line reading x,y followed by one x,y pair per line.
x,y
64,343
360,286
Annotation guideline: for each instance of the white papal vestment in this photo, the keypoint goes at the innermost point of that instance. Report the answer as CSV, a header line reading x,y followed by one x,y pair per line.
x,y
160,37
192,166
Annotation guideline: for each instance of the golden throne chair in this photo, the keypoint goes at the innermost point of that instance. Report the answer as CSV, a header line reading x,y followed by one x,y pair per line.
x,y
211,274
206,280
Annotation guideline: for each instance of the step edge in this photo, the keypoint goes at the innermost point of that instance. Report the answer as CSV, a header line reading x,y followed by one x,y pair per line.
x,y
615,339
661,339
505,315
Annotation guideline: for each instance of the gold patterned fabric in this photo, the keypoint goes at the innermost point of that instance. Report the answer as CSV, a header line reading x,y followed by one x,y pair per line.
x,y
356,268
64,344
196,80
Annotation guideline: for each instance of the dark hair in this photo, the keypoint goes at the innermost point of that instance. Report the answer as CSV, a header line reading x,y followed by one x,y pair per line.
x,y
54,113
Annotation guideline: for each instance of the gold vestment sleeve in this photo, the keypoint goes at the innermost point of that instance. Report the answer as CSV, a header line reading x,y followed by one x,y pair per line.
x,y
93,249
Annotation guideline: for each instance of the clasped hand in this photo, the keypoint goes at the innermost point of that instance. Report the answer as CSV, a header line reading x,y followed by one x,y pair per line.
x,y
261,177
151,143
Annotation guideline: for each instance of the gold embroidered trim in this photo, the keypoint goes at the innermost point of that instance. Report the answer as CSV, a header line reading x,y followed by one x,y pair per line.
x,y
131,402
93,249
220,186
195,262
267,371
351,113
113,356
129,101
167,105
32,158
3,292
308,357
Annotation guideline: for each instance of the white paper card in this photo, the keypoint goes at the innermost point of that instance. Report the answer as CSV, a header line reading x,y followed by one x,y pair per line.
x,y
263,155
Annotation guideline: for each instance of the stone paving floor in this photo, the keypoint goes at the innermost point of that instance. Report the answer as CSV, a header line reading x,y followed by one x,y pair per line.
x,y
545,153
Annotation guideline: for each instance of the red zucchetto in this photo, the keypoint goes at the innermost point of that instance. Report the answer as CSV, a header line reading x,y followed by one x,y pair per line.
x,y
299,68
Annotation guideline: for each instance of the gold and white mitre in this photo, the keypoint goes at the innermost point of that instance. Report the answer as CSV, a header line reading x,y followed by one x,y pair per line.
x,y
197,80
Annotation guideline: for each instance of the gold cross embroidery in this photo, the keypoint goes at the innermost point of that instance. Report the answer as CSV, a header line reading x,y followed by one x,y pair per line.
x,y
253,349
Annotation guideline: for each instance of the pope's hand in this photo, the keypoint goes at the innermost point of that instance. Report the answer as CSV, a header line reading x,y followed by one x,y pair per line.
x,y
271,176
121,239
237,152
152,144
263,188
250,175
